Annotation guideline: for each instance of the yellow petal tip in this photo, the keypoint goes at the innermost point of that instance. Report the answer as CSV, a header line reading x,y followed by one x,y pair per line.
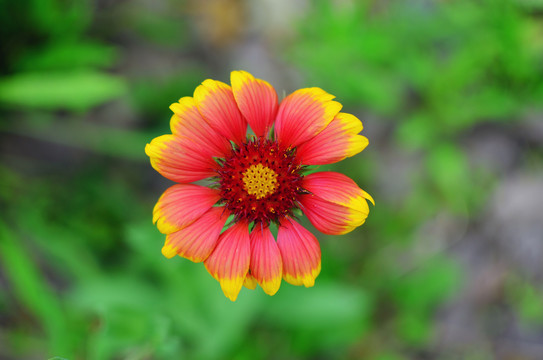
x,y
169,251
368,196
249,282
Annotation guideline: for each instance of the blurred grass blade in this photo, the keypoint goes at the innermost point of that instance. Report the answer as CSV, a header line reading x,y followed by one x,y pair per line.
x,y
31,290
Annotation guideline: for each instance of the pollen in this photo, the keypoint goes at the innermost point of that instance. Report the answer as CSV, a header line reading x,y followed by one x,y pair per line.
x,y
260,181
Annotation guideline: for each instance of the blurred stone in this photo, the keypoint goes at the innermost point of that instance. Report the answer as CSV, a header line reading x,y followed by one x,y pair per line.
x,y
531,128
493,150
462,324
515,222
396,174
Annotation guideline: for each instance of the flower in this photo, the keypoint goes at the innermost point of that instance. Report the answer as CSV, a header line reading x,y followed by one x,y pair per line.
x,y
255,180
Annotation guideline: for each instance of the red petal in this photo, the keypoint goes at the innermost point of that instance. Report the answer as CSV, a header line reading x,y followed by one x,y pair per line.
x,y
196,241
337,188
303,114
216,103
330,218
337,141
300,252
188,122
256,99
336,204
229,262
180,159
266,265
182,204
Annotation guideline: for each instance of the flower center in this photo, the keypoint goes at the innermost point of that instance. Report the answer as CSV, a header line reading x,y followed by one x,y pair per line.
x,y
260,181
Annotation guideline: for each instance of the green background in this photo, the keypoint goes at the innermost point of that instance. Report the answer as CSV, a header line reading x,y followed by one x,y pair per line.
x,y
447,266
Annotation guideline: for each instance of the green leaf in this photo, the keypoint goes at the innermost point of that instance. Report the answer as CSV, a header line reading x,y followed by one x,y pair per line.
x,y
61,19
323,306
527,299
448,169
75,90
322,318
414,328
389,356
419,131
421,290
68,55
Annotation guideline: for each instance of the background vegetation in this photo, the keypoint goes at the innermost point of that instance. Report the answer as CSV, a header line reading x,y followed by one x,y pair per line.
x,y
448,265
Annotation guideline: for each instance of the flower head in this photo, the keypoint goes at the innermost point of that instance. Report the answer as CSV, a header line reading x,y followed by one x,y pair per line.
x,y
255,180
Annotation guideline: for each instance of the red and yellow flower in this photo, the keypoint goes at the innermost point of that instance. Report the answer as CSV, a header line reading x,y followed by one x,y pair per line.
x,y
255,180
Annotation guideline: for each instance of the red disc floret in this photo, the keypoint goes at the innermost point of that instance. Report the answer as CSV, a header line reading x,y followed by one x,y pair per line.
x,y
274,204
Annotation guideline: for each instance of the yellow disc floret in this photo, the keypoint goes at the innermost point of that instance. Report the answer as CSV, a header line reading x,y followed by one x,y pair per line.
x,y
259,181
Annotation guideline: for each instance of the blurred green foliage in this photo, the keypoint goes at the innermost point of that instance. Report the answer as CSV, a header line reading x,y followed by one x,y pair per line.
x,y
127,301
54,64
431,72
442,66
80,259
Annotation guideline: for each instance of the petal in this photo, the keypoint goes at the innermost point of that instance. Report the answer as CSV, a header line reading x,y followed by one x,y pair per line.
x,y
196,241
249,282
335,205
180,159
188,122
337,141
330,218
181,204
266,265
303,114
300,252
229,262
256,99
337,188
216,103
